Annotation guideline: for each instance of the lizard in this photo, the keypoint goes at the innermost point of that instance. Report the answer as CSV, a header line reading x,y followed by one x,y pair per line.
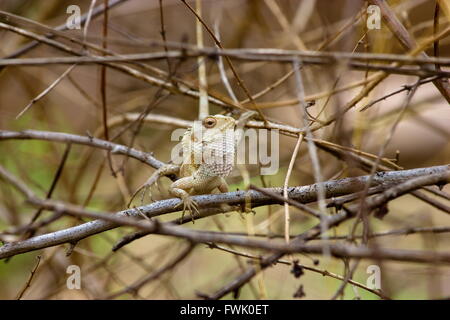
x,y
208,157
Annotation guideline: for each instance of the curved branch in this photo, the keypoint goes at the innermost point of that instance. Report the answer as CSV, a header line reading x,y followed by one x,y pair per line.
x,y
96,12
303,194
114,148
312,233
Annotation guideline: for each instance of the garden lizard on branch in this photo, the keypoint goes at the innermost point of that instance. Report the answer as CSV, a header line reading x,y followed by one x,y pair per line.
x,y
209,148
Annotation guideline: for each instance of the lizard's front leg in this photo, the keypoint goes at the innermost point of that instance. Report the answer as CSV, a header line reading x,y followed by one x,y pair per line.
x,y
182,188
165,170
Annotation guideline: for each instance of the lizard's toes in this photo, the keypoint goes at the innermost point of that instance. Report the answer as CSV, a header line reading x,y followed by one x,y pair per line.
x,y
189,205
194,207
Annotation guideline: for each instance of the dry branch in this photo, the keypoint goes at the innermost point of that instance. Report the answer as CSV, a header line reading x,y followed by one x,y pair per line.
x,y
107,221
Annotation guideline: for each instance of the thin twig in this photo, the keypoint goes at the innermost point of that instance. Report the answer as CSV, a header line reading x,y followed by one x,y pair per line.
x,y
28,283
136,286
407,41
285,187
52,186
203,106
107,221
324,273
312,149
46,91
95,12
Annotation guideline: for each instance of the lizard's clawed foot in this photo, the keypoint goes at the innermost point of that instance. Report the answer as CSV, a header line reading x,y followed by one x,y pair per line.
x,y
190,205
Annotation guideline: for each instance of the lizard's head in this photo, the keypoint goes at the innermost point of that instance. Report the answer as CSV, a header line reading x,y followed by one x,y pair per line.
x,y
218,122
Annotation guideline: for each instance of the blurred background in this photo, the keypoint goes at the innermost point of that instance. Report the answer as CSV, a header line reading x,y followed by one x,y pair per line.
x,y
74,105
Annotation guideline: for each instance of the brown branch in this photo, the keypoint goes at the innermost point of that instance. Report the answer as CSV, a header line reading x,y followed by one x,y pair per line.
x,y
282,199
407,41
103,86
233,70
324,273
358,61
315,232
114,148
136,286
95,12
107,221
182,89
28,228
28,283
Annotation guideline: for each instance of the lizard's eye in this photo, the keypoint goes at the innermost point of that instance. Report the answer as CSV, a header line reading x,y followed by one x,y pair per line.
x,y
209,122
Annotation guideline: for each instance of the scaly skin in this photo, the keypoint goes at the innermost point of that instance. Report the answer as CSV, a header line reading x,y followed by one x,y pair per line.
x,y
208,157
